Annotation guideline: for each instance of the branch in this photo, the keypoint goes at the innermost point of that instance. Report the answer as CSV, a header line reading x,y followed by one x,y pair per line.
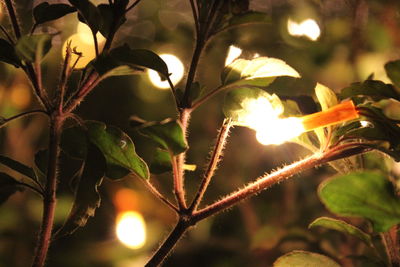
x,y
6,34
13,18
157,193
212,166
178,186
132,6
21,115
195,17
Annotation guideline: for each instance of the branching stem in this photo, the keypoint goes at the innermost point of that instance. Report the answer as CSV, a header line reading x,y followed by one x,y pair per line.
x,y
13,18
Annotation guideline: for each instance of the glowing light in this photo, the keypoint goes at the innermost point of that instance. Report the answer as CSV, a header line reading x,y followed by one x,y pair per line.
x,y
86,34
365,123
20,96
233,53
260,115
175,67
131,229
308,28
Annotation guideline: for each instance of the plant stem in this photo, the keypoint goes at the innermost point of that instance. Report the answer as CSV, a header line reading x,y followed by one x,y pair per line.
x,y
49,201
212,166
389,240
13,18
192,72
260,184
167,246
178,186
160,196
132,6
6,34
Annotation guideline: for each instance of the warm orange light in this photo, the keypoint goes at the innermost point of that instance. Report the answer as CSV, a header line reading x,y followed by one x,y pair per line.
x,y
340,113
125,199
271,129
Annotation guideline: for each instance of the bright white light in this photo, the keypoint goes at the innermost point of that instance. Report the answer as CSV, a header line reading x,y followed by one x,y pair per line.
x,y
233,53
308,28
365,123
131,229
175,67
261,116
86,34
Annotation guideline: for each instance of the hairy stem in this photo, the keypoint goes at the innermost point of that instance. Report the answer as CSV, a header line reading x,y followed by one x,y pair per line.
x,y
169,243
212,166
178,183
389,240
49,201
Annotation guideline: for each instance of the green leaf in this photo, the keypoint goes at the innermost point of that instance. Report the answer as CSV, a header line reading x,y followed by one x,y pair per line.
x,y
108,12
118,150
17,166
74,142
8,186
375,89
33,47
248,18
89,13
168,134
87,198
161,162
326,97
140,58
300,258
260,71
108,66
393,72
8,55
367,195
45,12
343,227
236,102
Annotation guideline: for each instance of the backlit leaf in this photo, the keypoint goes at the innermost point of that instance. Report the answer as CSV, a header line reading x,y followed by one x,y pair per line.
x,y
118,150
342,226
161,162
300,258
375,89
89,13
168,134
17,166
393,72
8,186
367,195
33,47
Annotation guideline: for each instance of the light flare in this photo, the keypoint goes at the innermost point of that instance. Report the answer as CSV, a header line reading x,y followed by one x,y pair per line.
x,y
233,53
308,28
271,129
175,67
131,229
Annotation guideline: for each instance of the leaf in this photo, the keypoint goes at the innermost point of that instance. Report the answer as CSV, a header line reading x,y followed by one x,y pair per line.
x,y
140,58
300,258
236,101
33,47
393,72
106,66
259,71
326,97
8,55
367,195
343,227
89,13
161,162
118,150
249,17
17,166
376,89
107,18
74,142
168,134
45,12
8,186
87,198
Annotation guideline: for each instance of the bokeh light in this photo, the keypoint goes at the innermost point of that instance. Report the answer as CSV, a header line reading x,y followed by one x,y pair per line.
x,y
233,53
86,34
20,96
308,28
175,67
131,229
